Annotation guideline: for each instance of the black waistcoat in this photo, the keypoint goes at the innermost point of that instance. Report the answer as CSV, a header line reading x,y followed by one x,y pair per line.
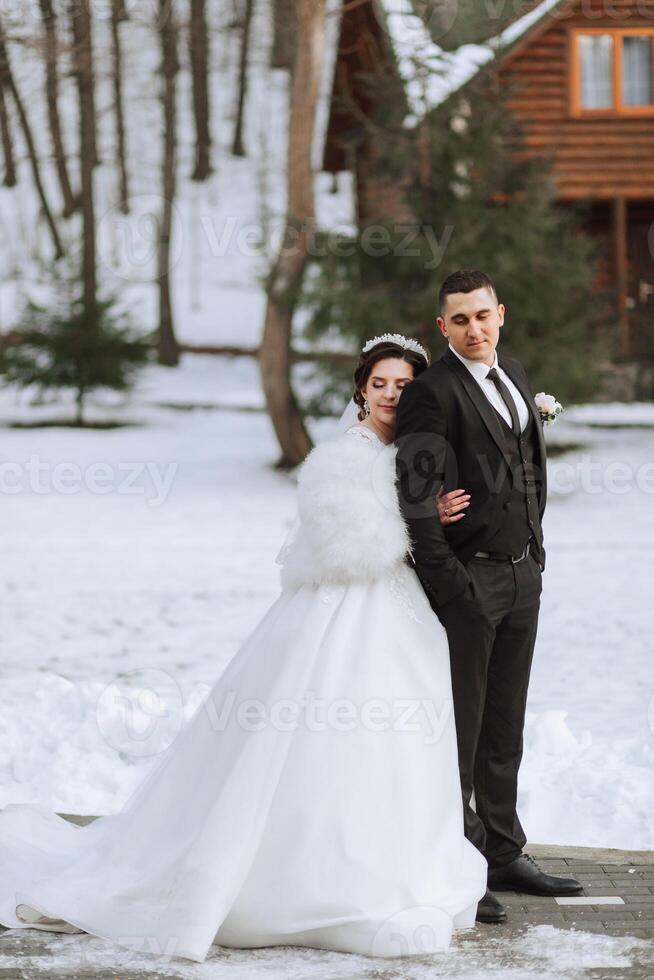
x,y
520,519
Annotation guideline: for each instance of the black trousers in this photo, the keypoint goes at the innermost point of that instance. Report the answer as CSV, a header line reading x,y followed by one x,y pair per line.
x,y
491,655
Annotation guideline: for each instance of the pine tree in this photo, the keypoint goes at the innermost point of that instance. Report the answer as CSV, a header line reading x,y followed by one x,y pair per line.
x,y
479,202
59,349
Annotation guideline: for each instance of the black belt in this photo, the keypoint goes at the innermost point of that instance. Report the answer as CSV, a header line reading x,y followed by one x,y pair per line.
x,y
497,556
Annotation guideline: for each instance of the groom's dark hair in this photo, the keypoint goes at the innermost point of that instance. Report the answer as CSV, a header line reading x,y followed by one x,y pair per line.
x,y
465,281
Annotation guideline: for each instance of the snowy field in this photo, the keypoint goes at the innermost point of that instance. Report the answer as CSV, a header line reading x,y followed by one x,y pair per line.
x,y
137,559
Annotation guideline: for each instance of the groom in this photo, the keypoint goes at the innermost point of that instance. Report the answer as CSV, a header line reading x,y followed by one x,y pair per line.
x,y
470,421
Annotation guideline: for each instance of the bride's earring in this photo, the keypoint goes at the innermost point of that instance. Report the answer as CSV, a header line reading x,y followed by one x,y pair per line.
x,y
366,407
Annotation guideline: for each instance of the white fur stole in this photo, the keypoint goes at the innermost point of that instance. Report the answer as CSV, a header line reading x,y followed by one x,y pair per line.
x,y
351,528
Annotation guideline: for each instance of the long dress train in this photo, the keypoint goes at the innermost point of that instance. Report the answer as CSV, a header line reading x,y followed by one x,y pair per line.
x,y
314,797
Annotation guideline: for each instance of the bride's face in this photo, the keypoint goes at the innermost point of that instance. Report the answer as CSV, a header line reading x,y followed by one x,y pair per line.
x,y
387,381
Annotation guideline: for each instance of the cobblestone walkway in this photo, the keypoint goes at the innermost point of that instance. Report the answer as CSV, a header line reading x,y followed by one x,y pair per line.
x,y
626,886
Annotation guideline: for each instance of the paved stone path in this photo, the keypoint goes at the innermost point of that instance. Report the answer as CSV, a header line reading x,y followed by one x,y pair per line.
x,y
611,937
611,875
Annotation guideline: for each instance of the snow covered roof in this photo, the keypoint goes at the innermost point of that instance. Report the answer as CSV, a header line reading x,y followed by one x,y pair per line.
x,y
431,74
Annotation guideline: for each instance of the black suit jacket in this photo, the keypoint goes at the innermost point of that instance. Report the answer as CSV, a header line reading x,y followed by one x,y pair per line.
x,y
449,435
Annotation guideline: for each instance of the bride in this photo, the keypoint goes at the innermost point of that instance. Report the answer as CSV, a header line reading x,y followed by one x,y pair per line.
x,y
314,797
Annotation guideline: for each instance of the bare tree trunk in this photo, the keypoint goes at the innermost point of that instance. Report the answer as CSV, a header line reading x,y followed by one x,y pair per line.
x,y
199,52
286,274
168,348
81,29
9,179
82,61
8,83
118,14
284,34
80,395
51,57
238,148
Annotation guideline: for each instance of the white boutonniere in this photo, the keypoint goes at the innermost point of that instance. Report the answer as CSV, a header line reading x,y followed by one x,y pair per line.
x,y
548,407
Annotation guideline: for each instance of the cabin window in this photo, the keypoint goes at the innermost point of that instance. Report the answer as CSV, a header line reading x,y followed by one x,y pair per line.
x,y
612,72
596,55
637,71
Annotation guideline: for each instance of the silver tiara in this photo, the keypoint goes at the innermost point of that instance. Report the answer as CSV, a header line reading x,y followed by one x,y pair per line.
x,y
396,338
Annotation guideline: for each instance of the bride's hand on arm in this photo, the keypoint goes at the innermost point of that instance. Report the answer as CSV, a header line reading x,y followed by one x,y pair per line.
x,y
452,506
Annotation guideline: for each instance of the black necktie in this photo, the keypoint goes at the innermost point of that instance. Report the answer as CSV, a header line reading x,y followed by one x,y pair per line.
x,y
507,398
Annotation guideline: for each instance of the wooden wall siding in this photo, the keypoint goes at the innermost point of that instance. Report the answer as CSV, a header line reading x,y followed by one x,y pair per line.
x,y
598,158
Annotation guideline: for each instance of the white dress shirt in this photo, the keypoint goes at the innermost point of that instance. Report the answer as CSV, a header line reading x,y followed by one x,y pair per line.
x,y
479,371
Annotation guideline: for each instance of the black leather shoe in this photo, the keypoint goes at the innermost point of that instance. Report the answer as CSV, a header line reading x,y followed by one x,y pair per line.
x,y
524,875
490,910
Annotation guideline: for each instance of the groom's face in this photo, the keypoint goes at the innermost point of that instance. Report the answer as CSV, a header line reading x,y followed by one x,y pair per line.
x,y
471,322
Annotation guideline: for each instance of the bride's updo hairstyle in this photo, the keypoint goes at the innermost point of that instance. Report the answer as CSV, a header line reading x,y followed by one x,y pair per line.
x,y
379,352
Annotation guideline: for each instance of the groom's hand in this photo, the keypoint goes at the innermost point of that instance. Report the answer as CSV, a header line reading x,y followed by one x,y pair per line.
x,y
464,606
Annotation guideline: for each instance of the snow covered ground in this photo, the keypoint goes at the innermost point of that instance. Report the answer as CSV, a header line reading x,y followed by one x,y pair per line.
x,y
137,559
538,953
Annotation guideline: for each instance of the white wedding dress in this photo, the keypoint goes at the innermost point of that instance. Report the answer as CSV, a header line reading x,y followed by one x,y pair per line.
x,y
314,798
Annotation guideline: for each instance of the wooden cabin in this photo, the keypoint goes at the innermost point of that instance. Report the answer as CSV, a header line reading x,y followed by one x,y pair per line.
x,y
579,75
